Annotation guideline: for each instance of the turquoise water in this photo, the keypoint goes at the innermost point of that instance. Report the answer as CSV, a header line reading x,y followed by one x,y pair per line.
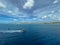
x,y
36,34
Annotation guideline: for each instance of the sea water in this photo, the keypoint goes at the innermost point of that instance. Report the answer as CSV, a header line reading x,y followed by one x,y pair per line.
x,y
36,34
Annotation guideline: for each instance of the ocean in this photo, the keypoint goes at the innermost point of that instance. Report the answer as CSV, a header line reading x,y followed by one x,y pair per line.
x,y
36,34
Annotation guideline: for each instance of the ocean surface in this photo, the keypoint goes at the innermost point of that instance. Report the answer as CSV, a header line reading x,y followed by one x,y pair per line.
x,y
36,34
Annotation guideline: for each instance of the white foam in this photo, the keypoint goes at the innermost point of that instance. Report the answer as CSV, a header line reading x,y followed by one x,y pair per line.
x,y
11,31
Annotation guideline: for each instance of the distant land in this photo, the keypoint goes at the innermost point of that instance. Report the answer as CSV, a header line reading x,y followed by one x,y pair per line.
x,y
38,23
32,23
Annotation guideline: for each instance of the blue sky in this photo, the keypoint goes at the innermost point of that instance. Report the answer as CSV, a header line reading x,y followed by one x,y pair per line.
x,y
29,11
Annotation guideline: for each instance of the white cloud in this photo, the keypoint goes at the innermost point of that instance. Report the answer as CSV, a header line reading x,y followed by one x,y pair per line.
x,y
59,19
55,17
15,11
14,19
44,17
50,15
58,10
34,18
22,16
52,11
29,4
9,11
2,5
55,1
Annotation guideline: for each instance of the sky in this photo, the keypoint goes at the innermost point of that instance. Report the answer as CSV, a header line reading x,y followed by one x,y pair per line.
x,y
29,11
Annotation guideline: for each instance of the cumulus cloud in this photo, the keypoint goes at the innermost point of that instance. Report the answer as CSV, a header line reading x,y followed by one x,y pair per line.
x,y
23,16
29,4
55,1
58,10
50,15
14,19
14,11
2,5
34,18
52,11
44,17
9,11
59,19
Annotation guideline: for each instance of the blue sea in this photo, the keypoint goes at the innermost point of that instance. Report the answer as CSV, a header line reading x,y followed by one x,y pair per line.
x,y
36,34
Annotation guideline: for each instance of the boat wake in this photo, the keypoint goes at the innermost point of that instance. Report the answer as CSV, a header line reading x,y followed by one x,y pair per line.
x,y
11,31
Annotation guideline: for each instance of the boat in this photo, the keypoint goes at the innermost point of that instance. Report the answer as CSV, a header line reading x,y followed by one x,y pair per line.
x,y
23,30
